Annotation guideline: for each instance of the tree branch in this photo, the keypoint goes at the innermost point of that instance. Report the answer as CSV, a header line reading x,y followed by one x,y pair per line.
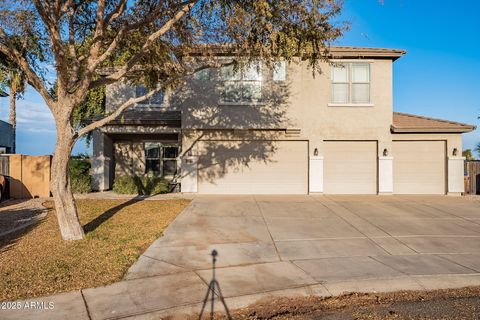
x,y
127,104
130,102
122,32
148,43
32,78
117,12
56,40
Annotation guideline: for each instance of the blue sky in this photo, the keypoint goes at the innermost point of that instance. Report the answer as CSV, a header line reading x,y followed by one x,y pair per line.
x,y
438,77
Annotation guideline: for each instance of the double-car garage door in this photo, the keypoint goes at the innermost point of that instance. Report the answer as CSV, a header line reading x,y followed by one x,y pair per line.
x,y
350,167
253,167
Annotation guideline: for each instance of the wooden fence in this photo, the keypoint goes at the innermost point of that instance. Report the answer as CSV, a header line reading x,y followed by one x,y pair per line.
x,y
4,165
28,176
472,177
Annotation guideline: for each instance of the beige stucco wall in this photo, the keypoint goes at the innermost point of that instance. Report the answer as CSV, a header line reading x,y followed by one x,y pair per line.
x,y
129,158
454,140
319,121
299,102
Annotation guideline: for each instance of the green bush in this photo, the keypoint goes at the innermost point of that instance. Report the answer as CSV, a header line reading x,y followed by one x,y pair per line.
x,y
142,185
79,171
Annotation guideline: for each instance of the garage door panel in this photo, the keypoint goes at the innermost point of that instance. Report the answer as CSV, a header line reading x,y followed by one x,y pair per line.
x,y
350,167
419,167
253,167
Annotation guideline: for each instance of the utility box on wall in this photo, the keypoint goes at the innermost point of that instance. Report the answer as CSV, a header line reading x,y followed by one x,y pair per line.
x,y
29,176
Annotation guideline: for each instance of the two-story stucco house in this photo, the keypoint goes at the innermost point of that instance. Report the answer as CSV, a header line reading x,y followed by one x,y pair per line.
x,y
283,131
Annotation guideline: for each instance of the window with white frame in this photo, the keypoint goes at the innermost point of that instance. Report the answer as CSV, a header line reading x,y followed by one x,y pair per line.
x,y
155,100
243,85
351,83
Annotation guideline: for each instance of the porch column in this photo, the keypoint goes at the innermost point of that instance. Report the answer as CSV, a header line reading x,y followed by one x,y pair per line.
x,y
385,175
102,162
316,175
455,176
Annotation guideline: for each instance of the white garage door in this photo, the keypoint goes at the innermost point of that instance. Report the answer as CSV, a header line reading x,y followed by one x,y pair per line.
x,y
419,167
350,167
253,167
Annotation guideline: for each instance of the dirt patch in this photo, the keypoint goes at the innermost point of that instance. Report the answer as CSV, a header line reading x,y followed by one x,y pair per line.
x,y
439,304
35,261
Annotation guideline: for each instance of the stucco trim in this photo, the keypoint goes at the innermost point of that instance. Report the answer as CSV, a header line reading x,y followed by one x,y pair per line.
x,y
354,105
430,130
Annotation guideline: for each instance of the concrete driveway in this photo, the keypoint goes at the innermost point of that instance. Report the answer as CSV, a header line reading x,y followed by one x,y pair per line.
x,y
294,245
320,244
327,237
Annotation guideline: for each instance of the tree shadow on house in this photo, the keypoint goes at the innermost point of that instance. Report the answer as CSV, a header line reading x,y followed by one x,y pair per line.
x,y
229,137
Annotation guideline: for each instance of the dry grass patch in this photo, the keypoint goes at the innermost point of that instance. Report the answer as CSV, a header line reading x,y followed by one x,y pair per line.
x,y
449,304
38,262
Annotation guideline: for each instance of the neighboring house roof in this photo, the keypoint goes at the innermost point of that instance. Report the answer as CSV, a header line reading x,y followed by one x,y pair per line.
x,y
3,93
409,123
362,52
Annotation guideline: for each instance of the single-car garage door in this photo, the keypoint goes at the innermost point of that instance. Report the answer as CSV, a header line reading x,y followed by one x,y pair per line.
x,y
419,167
350,167
253,167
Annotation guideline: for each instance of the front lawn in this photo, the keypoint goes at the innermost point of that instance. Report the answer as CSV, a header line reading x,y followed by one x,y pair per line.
x,y
38,262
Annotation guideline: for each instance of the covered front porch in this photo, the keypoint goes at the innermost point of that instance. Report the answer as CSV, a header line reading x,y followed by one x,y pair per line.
x,y
137,145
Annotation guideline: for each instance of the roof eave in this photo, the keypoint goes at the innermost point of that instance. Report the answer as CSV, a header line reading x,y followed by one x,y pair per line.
x,y
432,130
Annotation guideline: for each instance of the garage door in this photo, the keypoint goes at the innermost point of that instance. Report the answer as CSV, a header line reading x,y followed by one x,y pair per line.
x,y
253,167
419,167
350,167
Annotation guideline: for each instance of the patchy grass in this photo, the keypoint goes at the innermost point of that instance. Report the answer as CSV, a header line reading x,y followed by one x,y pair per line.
x,y
38,262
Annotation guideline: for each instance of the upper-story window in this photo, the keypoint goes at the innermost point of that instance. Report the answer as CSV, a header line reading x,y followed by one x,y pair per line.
x,y
155,100
243,85
351,83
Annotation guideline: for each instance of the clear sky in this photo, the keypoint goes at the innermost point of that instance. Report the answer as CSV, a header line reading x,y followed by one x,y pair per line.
x,y
438,77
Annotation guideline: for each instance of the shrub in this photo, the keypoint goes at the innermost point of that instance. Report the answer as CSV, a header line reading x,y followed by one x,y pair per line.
x,y
142,185
79,171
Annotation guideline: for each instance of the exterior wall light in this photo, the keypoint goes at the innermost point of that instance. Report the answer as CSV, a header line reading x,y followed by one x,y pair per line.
x,y
315,152
385,152
455,152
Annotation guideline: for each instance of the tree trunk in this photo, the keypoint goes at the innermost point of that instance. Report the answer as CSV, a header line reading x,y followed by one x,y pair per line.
x,y
65,207
13,116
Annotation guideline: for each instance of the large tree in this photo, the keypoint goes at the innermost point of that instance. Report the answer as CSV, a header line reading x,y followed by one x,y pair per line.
x,y
154,42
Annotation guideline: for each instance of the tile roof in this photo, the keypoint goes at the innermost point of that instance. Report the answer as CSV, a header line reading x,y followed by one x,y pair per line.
x,y
407,123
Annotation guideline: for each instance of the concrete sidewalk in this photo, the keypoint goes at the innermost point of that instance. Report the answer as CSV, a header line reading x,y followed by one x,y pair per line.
x,y
288,246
